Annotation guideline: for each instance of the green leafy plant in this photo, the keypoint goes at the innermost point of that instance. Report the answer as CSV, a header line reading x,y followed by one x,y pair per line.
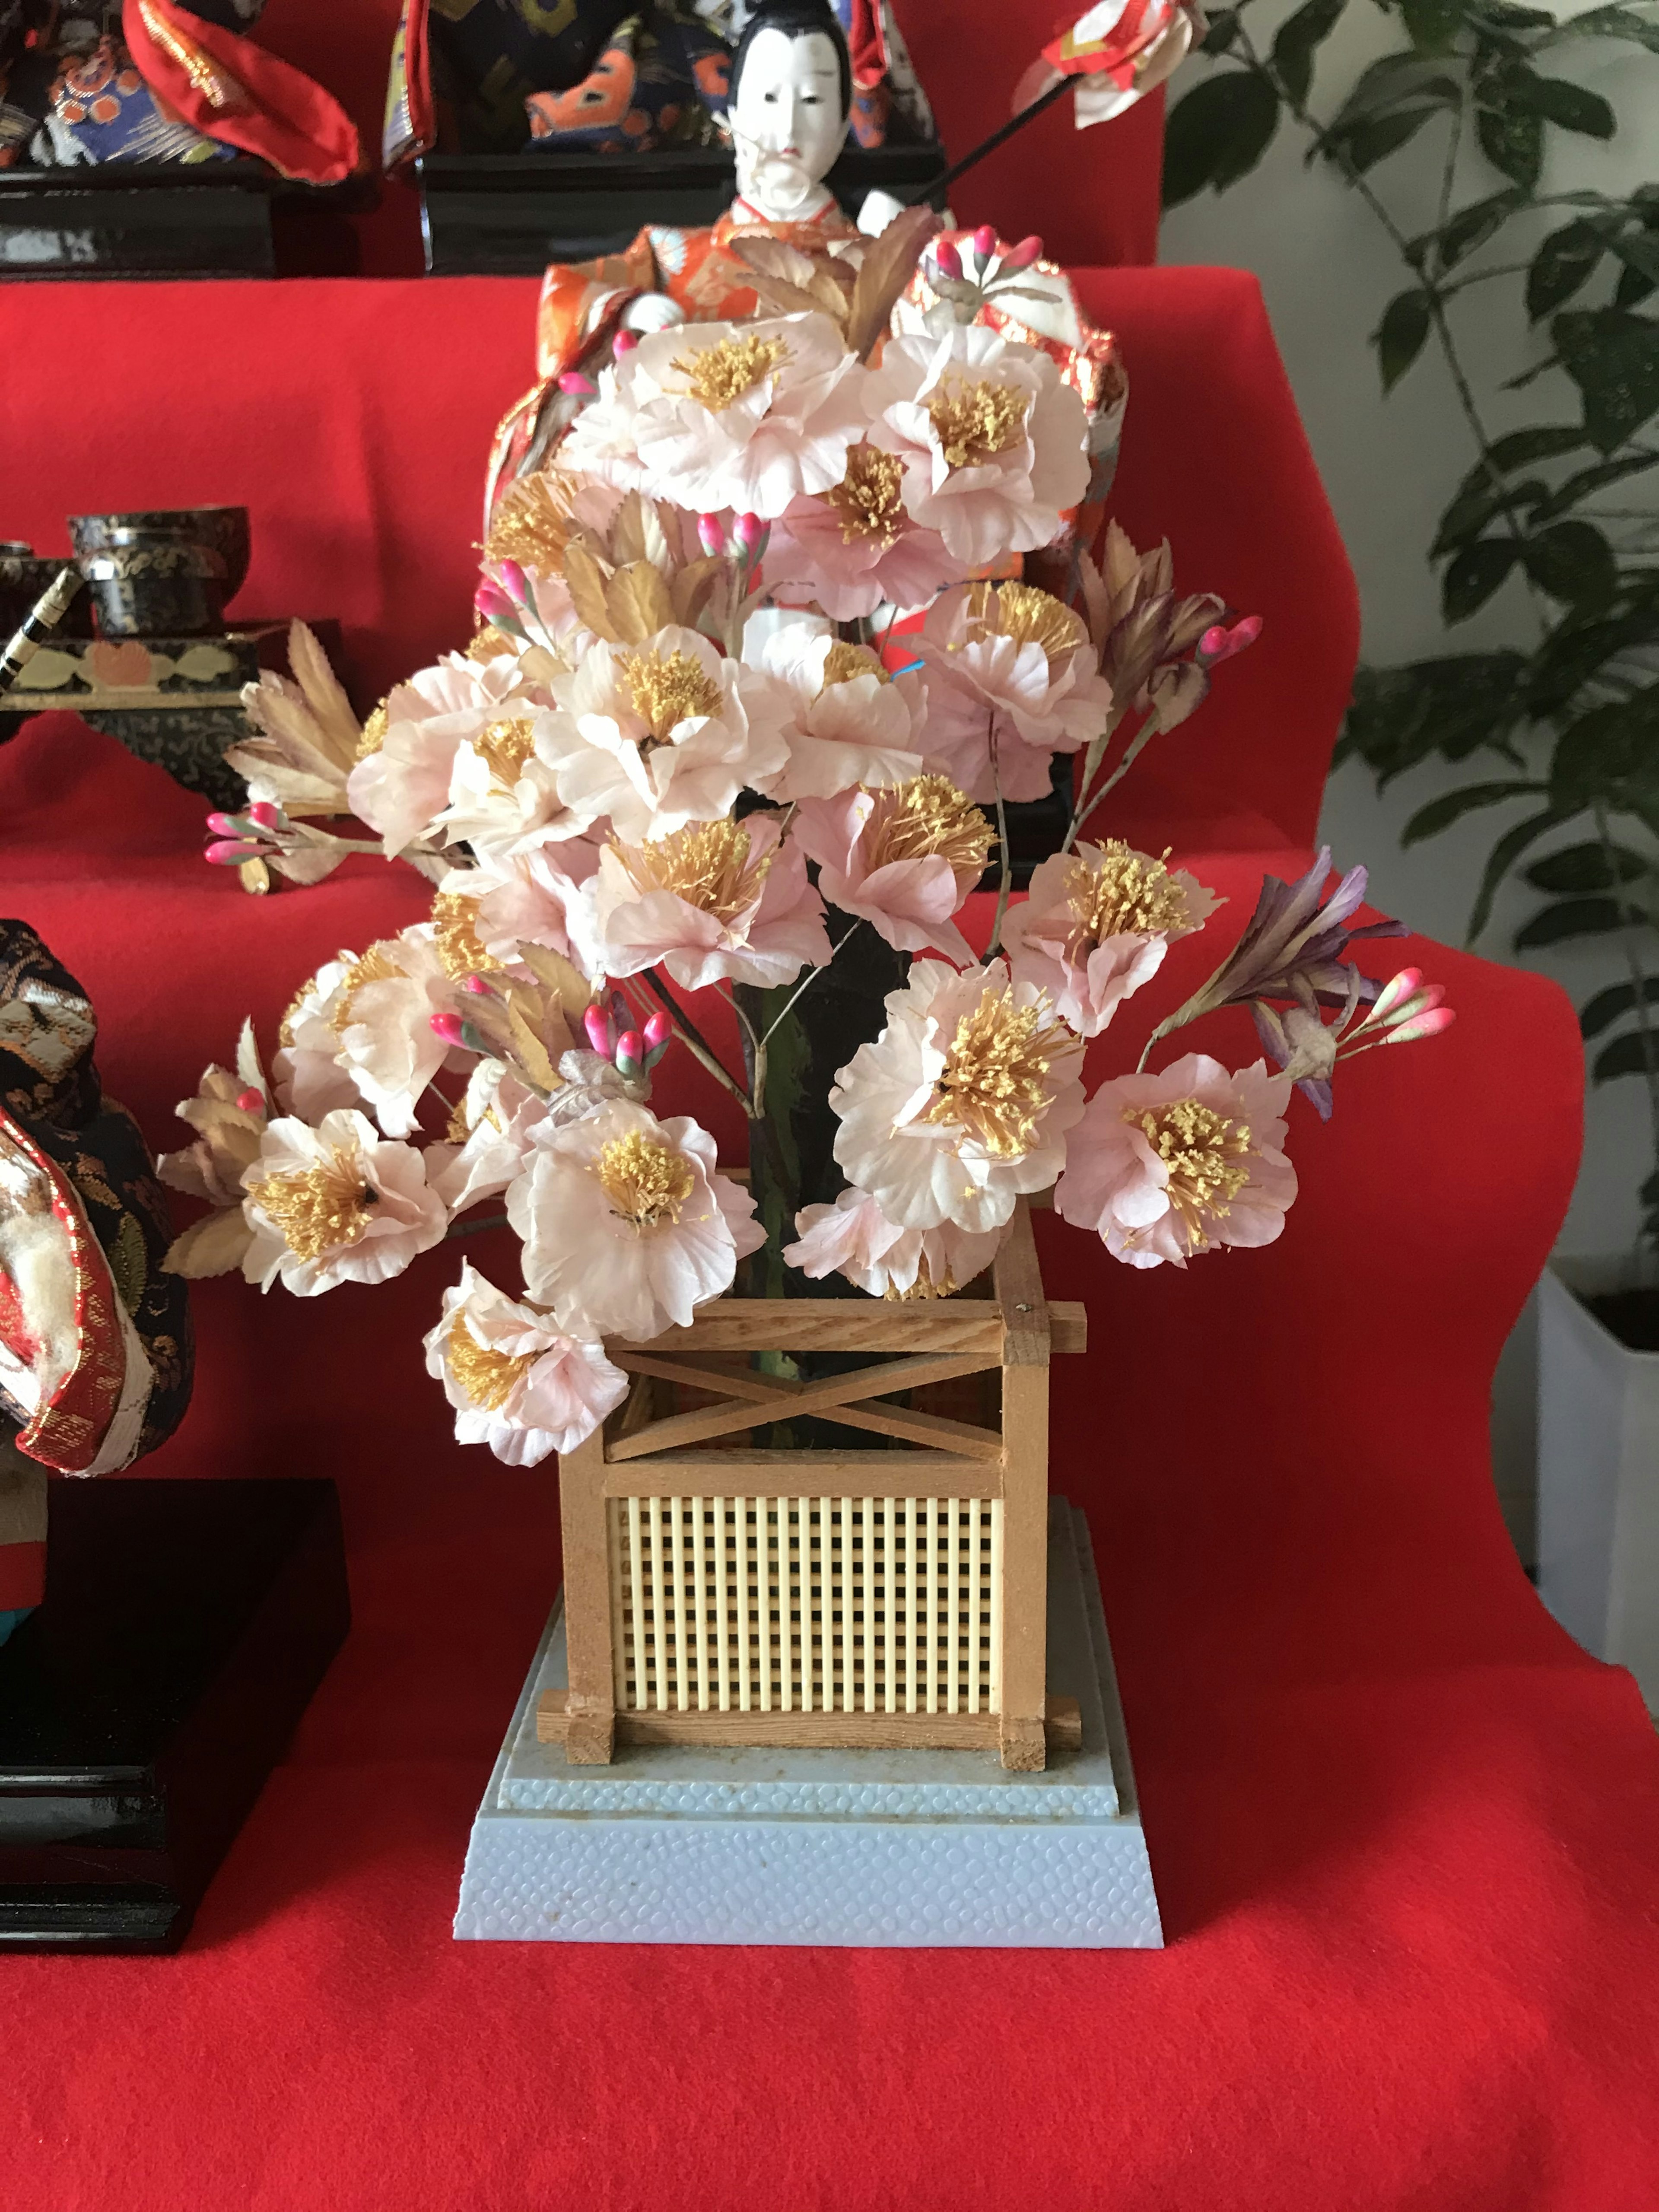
x,y
1567,719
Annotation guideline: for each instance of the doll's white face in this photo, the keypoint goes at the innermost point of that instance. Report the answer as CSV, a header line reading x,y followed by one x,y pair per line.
x,y
787,122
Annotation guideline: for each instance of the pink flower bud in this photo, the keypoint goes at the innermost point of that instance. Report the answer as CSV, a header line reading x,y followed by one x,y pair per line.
x,y
493,603
751,533
600,1034
1245,633
985,241
517,582
630,1050
1022,256
476,986
947,260
231,852
250,1101
1430,1023
658,1030
624,342
1212,646
710,536
449,1027
583,386
224,825
265,816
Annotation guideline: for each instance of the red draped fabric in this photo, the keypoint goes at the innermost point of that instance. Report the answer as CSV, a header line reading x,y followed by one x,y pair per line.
x,y
1406,1835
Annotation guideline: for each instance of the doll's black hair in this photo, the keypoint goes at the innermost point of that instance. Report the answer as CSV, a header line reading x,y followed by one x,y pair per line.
x,y
796,19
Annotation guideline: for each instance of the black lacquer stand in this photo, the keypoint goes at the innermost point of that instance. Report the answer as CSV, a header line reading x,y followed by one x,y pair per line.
x,y
185,1627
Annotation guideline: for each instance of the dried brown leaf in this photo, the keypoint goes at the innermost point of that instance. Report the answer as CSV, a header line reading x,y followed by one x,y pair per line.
x,y
888,264
328,705
691,588
639,603
583,573
212,1246
566,986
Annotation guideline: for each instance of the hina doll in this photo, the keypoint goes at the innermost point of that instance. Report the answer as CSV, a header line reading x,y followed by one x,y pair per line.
x,y
95,1349
91,81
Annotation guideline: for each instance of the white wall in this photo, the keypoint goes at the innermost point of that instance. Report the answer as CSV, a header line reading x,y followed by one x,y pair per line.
x,y
1389,465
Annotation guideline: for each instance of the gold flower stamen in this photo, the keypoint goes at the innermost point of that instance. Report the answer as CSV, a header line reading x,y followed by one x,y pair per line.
x,y
1124,894
532,525
487,1376
376,966
928,815
996,1083
923,1287
1028,615
645,1183
707,864
455,937
973,423
372,736
324,1208
866,501
720,374
1204,1154
667,689
505,747
845,663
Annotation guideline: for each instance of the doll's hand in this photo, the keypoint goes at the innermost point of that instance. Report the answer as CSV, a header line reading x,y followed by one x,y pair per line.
x,y
652,311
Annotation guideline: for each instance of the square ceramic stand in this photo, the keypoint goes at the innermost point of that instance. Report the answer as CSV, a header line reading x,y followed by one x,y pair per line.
x,y
678,1844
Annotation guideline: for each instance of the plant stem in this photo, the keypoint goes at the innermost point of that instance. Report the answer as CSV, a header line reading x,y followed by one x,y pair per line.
x,y
471,1228
693,1041
1006,878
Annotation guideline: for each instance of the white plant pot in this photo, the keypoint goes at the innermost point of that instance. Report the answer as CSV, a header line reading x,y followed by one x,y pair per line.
x,y
1598,1477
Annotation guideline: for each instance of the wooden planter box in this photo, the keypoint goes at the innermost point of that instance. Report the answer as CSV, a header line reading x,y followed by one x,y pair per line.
x,y
721,1591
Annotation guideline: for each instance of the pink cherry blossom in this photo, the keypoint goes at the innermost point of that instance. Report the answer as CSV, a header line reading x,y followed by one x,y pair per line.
x,y
1163,1167
852,547
1096,926
829,714
1010,672
854,1238
904,859
717,899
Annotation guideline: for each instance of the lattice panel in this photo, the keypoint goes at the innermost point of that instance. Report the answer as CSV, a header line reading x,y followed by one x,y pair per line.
x,y
855,1605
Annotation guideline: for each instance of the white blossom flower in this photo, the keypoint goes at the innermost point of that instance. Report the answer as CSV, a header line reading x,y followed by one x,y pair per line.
x,y
746,416
1162,1167
517,1382
336,1204
1096,926
853,1237
383,1019
992,443
836,715
962,1103
626,1224
504,796
309,1076
401,787
1012,680
655,735
716,899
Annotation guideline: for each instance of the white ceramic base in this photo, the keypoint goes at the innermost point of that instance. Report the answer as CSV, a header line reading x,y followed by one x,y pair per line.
x,y
675,1844
1598,1479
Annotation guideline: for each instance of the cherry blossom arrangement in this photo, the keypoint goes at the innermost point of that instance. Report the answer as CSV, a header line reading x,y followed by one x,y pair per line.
x,y
695,748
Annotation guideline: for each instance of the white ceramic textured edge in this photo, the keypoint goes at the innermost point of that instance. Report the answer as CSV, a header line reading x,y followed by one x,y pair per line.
x,y
745,1847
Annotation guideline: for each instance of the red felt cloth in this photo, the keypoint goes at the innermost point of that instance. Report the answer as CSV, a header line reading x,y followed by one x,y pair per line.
x,y
1092,195
1404,1834
355,420
22,1575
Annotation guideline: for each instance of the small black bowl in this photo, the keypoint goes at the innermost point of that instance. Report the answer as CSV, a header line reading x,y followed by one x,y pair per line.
x,y
222,531
156,587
